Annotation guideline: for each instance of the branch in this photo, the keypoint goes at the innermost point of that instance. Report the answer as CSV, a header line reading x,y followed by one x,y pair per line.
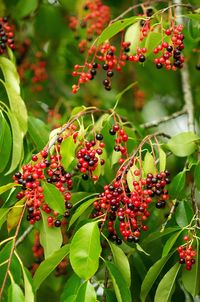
x,y
12,252
163,119
23,236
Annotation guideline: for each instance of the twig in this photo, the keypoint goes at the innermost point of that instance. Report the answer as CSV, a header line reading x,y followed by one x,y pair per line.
x,y
23,236
12,252
163,119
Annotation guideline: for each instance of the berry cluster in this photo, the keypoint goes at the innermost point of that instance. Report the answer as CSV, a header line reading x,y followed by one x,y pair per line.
x,y
120,141
130,208
97,17
88,157
6,35
38,71
186,254
171,57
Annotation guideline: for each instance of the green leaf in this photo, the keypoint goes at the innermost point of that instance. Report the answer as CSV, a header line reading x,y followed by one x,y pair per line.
x,y
3,215
10,73
115,157
38,131
184,214
169,244
177,185
15,293
54,198
191,279
85,250
132,36
194,29
5,142
151,277
121,288
80,210
49,264
197,176
149,165
183,144
162,160
70,290
140,249
115,28
50,238
157,235
166,286
193,17
97,171
8,187
86,293
122,263
67,151
25,8
153,39
14,214
131,177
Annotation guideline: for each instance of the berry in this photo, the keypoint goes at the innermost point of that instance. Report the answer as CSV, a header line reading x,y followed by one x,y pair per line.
x,y
99,137
57,223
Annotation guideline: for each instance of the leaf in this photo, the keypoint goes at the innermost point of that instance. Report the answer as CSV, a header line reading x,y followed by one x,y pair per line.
x,y
14,214
191,279
162,160
15,293
194,30
97,171
80,210
122,263
169,243
149,165
67,151
184,214
17,139
131,177
183,144
5,142
115,157
153,40
70,290
86,293
38,131
49,264
140,249
197,176
193,17
132,36
151,276
3,215
157,235
177,185
166,286
10,73
54,198
115,28
8,187
50,238
24,9
121,289
85,250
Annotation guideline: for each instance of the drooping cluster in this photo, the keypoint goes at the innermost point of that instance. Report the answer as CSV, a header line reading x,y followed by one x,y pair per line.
x,y
96,18
171,57
6,35
187,254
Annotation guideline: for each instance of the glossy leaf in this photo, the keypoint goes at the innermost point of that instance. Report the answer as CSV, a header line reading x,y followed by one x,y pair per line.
x,y
140,249
86,293
122,263
81,209
177,185
151,277
49,264
54,198
70,290
183,144
162,160
191,279
183,213
166,286
170,243
67,151
115,28
38,132
50,238
149,165
132,36
15,293
5,142
8,187
14,214
121,289
85,250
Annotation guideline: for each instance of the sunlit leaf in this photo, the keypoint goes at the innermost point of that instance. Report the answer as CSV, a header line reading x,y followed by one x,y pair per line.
x,y
183,144
14,214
